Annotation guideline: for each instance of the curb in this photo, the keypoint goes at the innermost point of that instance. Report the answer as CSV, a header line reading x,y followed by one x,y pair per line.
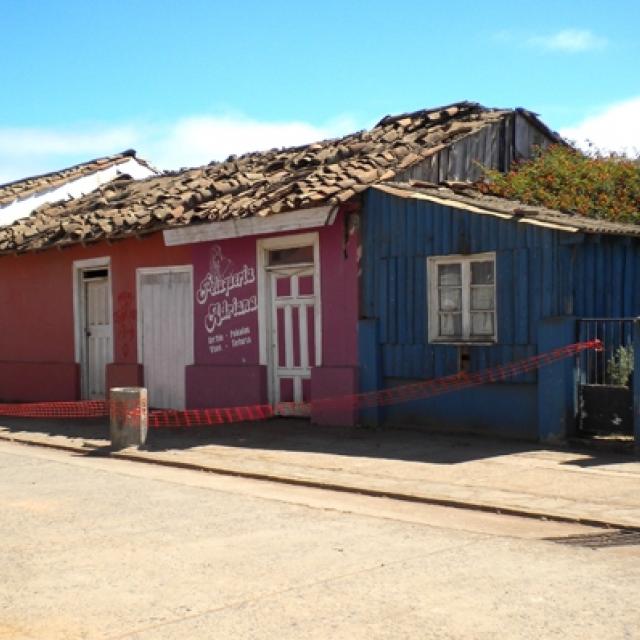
x,y
327,486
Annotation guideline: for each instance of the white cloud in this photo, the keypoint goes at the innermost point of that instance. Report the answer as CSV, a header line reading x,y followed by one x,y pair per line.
x,y
190,141
37,142
563,41
200,139
568,41
26,151
613,128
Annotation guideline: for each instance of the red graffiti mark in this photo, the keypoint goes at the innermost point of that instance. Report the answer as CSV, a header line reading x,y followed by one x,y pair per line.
x,y
125,321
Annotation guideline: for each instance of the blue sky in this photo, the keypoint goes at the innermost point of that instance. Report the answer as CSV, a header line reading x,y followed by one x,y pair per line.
x,y
190,81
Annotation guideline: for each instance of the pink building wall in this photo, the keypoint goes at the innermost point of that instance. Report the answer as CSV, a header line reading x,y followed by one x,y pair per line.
x,y
227,369
37,351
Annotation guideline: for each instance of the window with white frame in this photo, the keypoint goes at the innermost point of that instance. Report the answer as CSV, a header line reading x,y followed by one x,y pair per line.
x,y
462,298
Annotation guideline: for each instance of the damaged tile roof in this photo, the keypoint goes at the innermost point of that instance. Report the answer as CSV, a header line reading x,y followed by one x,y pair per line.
x,y
466,196
20,189
254,184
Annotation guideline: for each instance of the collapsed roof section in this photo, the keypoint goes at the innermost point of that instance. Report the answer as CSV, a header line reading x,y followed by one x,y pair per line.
x,y
258,184
25,187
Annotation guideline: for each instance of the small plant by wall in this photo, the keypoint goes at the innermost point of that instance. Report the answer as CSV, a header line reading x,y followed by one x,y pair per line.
x,y
620,366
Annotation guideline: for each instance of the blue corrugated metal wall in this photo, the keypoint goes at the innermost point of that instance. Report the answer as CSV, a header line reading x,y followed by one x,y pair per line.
x,y
539,273
606,277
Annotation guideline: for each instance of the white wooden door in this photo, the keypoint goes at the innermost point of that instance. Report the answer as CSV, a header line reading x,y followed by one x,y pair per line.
x,y
165,338
96,352
293,334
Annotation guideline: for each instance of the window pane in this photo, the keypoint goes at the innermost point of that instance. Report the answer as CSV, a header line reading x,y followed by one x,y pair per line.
x,y
482,324
283,287
450,299
450,274
297,255
451,325
305,285
482,298
482,272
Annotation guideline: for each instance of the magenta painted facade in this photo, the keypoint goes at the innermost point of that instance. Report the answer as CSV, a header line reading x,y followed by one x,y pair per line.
x,y
230,367
226,371
226,302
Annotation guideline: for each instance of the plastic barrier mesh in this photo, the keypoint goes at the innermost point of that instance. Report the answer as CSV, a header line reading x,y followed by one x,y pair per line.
x,y
76,409
194,417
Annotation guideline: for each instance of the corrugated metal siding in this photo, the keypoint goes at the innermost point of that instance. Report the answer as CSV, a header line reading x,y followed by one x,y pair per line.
x,y
539,273
606,281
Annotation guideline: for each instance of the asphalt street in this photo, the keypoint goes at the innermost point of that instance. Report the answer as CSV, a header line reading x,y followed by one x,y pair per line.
x,y
102,548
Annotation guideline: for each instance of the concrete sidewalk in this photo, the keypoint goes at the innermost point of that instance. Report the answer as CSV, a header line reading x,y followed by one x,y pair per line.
x,y
466,471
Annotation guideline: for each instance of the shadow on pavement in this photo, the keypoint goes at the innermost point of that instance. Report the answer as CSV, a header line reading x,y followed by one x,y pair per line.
x,y
604,458
85,428
296,435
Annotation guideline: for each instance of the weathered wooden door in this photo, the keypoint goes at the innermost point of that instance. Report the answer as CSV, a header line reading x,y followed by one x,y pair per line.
x,y
96,333
293,333
165,333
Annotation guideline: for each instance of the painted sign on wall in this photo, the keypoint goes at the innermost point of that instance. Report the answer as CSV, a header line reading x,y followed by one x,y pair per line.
x,y
226,303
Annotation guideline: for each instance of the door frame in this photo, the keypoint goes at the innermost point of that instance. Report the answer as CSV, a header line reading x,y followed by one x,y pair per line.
x,y
142,271
265,316
79,311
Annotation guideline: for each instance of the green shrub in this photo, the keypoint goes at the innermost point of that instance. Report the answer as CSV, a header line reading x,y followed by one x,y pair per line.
x,y
563,178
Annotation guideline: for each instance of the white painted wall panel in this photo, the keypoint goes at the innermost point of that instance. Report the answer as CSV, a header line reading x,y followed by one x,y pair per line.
x,y
166,334
97,336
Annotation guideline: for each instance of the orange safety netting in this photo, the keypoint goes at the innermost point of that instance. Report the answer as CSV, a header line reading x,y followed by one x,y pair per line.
x,y
73,409
404,393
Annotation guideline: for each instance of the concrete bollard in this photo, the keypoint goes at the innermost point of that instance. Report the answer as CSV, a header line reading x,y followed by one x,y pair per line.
x,y
128,417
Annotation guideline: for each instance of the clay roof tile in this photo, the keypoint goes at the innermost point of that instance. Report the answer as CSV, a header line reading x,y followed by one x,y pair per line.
x,y
256,183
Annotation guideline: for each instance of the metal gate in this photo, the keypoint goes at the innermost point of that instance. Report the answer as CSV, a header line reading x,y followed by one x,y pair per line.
x,y
605,396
